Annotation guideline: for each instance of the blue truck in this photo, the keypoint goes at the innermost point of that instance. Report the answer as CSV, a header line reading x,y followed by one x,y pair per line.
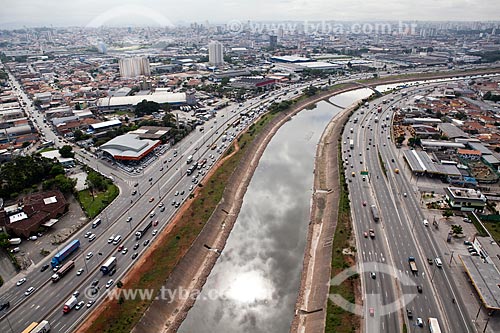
x,y
64,253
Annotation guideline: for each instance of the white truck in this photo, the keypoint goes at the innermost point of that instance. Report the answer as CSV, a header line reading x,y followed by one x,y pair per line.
x,y
15,241
70,304
43,327
189,159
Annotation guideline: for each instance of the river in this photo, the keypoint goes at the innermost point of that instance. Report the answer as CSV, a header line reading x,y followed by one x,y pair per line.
x,y
254,284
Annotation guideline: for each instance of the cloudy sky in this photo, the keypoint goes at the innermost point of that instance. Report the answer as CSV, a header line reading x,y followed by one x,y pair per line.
x,y
17,13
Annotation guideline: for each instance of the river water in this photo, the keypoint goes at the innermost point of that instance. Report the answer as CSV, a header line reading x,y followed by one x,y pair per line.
x,y
254,284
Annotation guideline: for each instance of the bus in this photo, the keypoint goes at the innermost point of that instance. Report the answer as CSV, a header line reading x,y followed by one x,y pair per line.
x,y
31,327
434,325
375,214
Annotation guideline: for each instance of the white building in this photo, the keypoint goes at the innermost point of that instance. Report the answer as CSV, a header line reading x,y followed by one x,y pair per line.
x,y
132,67
215,53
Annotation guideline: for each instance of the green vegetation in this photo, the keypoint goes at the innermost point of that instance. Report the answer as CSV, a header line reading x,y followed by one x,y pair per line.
x,y
382,164
66,151
339,320
94,202
480,230
24,173
457,229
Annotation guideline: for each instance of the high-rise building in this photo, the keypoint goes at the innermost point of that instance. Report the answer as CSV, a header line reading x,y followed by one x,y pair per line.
x,y
215,53
132,67
273,41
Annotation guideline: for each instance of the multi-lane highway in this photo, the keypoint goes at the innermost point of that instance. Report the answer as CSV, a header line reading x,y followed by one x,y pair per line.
x,y
400,233
158,183
168,176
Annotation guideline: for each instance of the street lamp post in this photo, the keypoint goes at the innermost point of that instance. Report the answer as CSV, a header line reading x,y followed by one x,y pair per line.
x,y
8,321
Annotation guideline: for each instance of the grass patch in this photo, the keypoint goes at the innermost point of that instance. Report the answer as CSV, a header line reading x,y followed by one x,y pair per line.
x,y
94,205
339,320
382,164
122,315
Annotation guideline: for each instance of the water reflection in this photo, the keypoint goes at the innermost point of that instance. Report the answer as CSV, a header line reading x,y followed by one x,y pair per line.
x,y
254,285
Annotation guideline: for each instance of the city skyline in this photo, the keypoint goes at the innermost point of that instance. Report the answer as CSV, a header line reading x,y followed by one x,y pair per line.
x,y
156,13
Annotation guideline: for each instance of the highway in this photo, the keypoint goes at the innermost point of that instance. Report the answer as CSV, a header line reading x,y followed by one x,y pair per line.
x,y
400,232
168,176
47,300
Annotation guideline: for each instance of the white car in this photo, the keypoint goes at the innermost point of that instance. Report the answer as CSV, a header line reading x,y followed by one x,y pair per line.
x,y
109,283
79,272
20,282
89,255
29,291
155,232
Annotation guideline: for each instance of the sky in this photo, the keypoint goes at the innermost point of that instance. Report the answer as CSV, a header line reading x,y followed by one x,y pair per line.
x,y
60,13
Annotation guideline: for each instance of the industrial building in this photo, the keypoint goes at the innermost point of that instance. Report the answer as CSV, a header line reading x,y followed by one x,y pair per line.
x,y
467,200
162,97
128,147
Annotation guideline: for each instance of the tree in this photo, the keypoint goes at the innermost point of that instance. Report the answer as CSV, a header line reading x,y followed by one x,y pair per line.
x,y
66,151
57,169
78,135
146,108
447,213
457,229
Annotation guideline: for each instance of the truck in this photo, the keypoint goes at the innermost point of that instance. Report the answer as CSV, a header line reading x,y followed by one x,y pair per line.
x,y
108,265
70,304
43,327
201,163
189,159
63,271
143,230
413,264
224,137
375,214
15,241
65,253
434,325
351,143
191,169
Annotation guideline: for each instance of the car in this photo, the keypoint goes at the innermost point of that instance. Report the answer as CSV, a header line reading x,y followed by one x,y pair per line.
x,y
33,238
112,272
44,268
364,203
155,232
134,192
129,218
92,237
89,255
109,283
467,220
405,195
4,306
176,193
136,184
160,205
182,192
79,272
120,247
76,293
425,222
165,162
124,251
87,234
151,199
146,242
55,269
152,214
155,223
151,179
419,289
170,158
89,303
135,255
409,314
372,312
429,260
111,238
161,169
467,243
162,209
191,187
177,204
420,322
173,202
365,234
20,282
29,291
136,246
373,275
